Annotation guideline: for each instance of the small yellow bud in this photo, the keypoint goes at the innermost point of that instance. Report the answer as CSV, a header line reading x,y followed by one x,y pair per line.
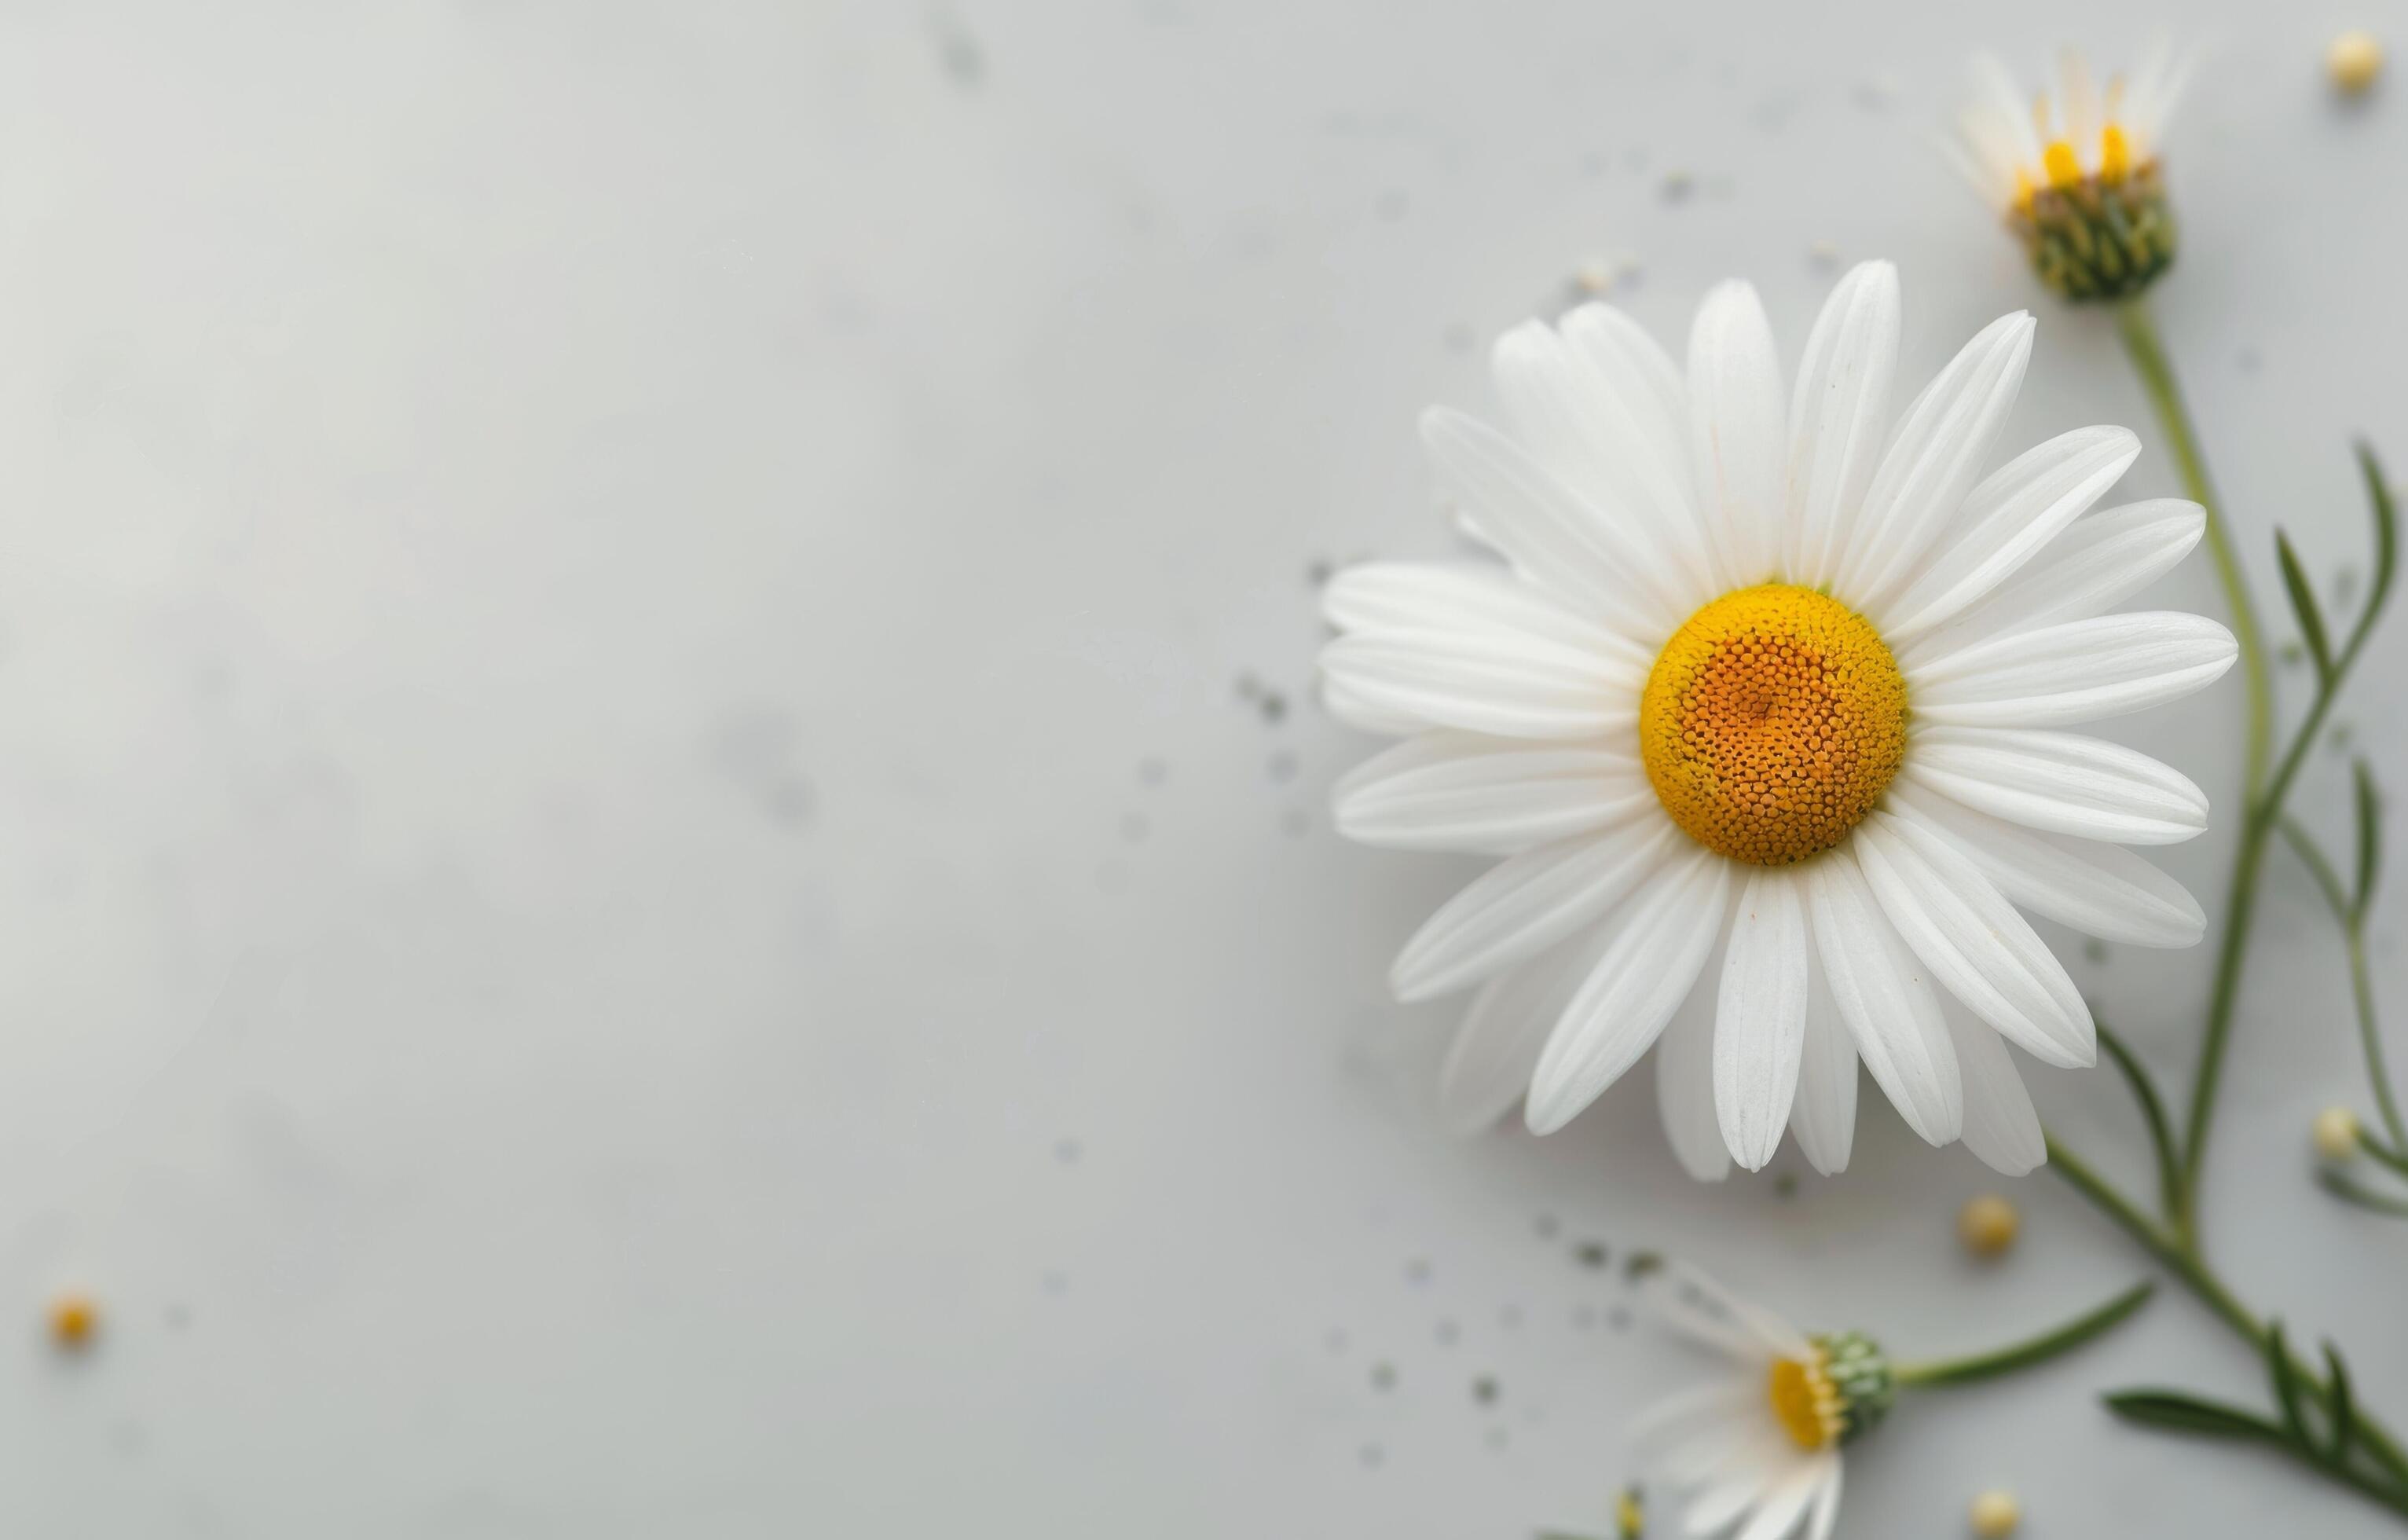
x,y
1987,1225
2336,1133
1629,1518
74,1317
2354,61
1996,1514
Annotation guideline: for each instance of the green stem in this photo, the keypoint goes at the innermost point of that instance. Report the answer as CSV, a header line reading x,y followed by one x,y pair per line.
x,y
2031,1350
2139,330
2153,1111
2361,986
2182,1261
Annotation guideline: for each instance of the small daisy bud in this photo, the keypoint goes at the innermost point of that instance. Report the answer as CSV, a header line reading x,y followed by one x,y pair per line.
x,y
1996,1514
2336,1133
2354,61
1987,1225
74,1317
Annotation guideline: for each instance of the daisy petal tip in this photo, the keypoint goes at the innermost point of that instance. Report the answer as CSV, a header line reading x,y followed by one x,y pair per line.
x,y
1546,1110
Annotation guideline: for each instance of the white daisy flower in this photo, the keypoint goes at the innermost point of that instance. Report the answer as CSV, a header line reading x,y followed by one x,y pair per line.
x,y
1766,714
2078,175
1758,1448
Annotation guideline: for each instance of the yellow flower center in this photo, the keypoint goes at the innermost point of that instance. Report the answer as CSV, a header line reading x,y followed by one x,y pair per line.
x,y
1772,722
1805,1401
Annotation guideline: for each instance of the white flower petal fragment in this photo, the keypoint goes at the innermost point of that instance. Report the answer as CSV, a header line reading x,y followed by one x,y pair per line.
x,y
1507,685
2001,1128
1974,943
2101,890
1737,432
1668,927
1520,907
2075,673
1824,1115
2060,781
1760,1023
2101,561
1488,1065
1839,418
1684,1084
1888,1004
1498,796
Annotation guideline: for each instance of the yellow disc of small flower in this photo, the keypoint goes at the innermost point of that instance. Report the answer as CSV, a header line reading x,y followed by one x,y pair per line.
x,y
1804,1400
1772,722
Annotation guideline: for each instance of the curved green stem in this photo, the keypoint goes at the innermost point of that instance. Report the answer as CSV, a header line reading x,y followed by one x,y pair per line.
x,y
2153,1111
2180,1257
2139,330
2031,1350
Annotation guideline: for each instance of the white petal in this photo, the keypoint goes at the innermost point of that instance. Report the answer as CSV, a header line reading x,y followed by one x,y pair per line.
x,y
1492,795
2006,106
1686,1413
1825,1514
2100,889
1882,994
1973,942
1500,683
1932,461
2018,508
1577,422
1705,1451
1685,1082
1696,1290
1737,432
1840,417
1760,1020
1457,596
1785,1505
1745,1481
1555,539
1666,932
1366,715
2075,673
1642,376
2001,1127
1488,1065
1522,906
1824,1116
2095,565
2060,781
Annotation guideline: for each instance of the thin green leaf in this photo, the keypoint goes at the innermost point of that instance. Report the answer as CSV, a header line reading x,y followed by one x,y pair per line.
x,y
2344,1410
2304,608
2286,1383
2349,1191
2180,1412
2387,534
2152,1110
2370,835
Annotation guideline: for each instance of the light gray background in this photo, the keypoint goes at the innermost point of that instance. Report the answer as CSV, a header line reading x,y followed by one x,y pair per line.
x,y
641,898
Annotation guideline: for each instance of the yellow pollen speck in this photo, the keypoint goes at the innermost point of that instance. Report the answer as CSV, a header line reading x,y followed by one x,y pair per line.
x,y
1995,1515
2114,154
1771,724
2063,167
1805,1401
2336,1133
1987,1225
2024,188
2354,61
74,1317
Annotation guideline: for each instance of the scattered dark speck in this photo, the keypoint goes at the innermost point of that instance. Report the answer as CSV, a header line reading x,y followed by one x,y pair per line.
x,y
1483,1389
1448,1333
1596,164
964,62
1134,826
1785,1185
2345,584
2250,360
1069,1151
1373,1457
1283,767
1151,772
2093,950
1547,1226
1590,1253
1509,1316
1677,187
1585,1317
1335,1340
1057,1283
1274,706
1618,1318
1459,337
1296,822
1639,1264
2290,654
1319,571
1383,1376
177,1317
1498,1438
1249,687
1394,205
1417,1271
2343,732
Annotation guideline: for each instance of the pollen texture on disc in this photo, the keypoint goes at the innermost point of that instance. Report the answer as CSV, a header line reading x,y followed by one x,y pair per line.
x,y
1772,723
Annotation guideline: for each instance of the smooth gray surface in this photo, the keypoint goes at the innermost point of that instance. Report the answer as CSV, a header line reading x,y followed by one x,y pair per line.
x,y
642,902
